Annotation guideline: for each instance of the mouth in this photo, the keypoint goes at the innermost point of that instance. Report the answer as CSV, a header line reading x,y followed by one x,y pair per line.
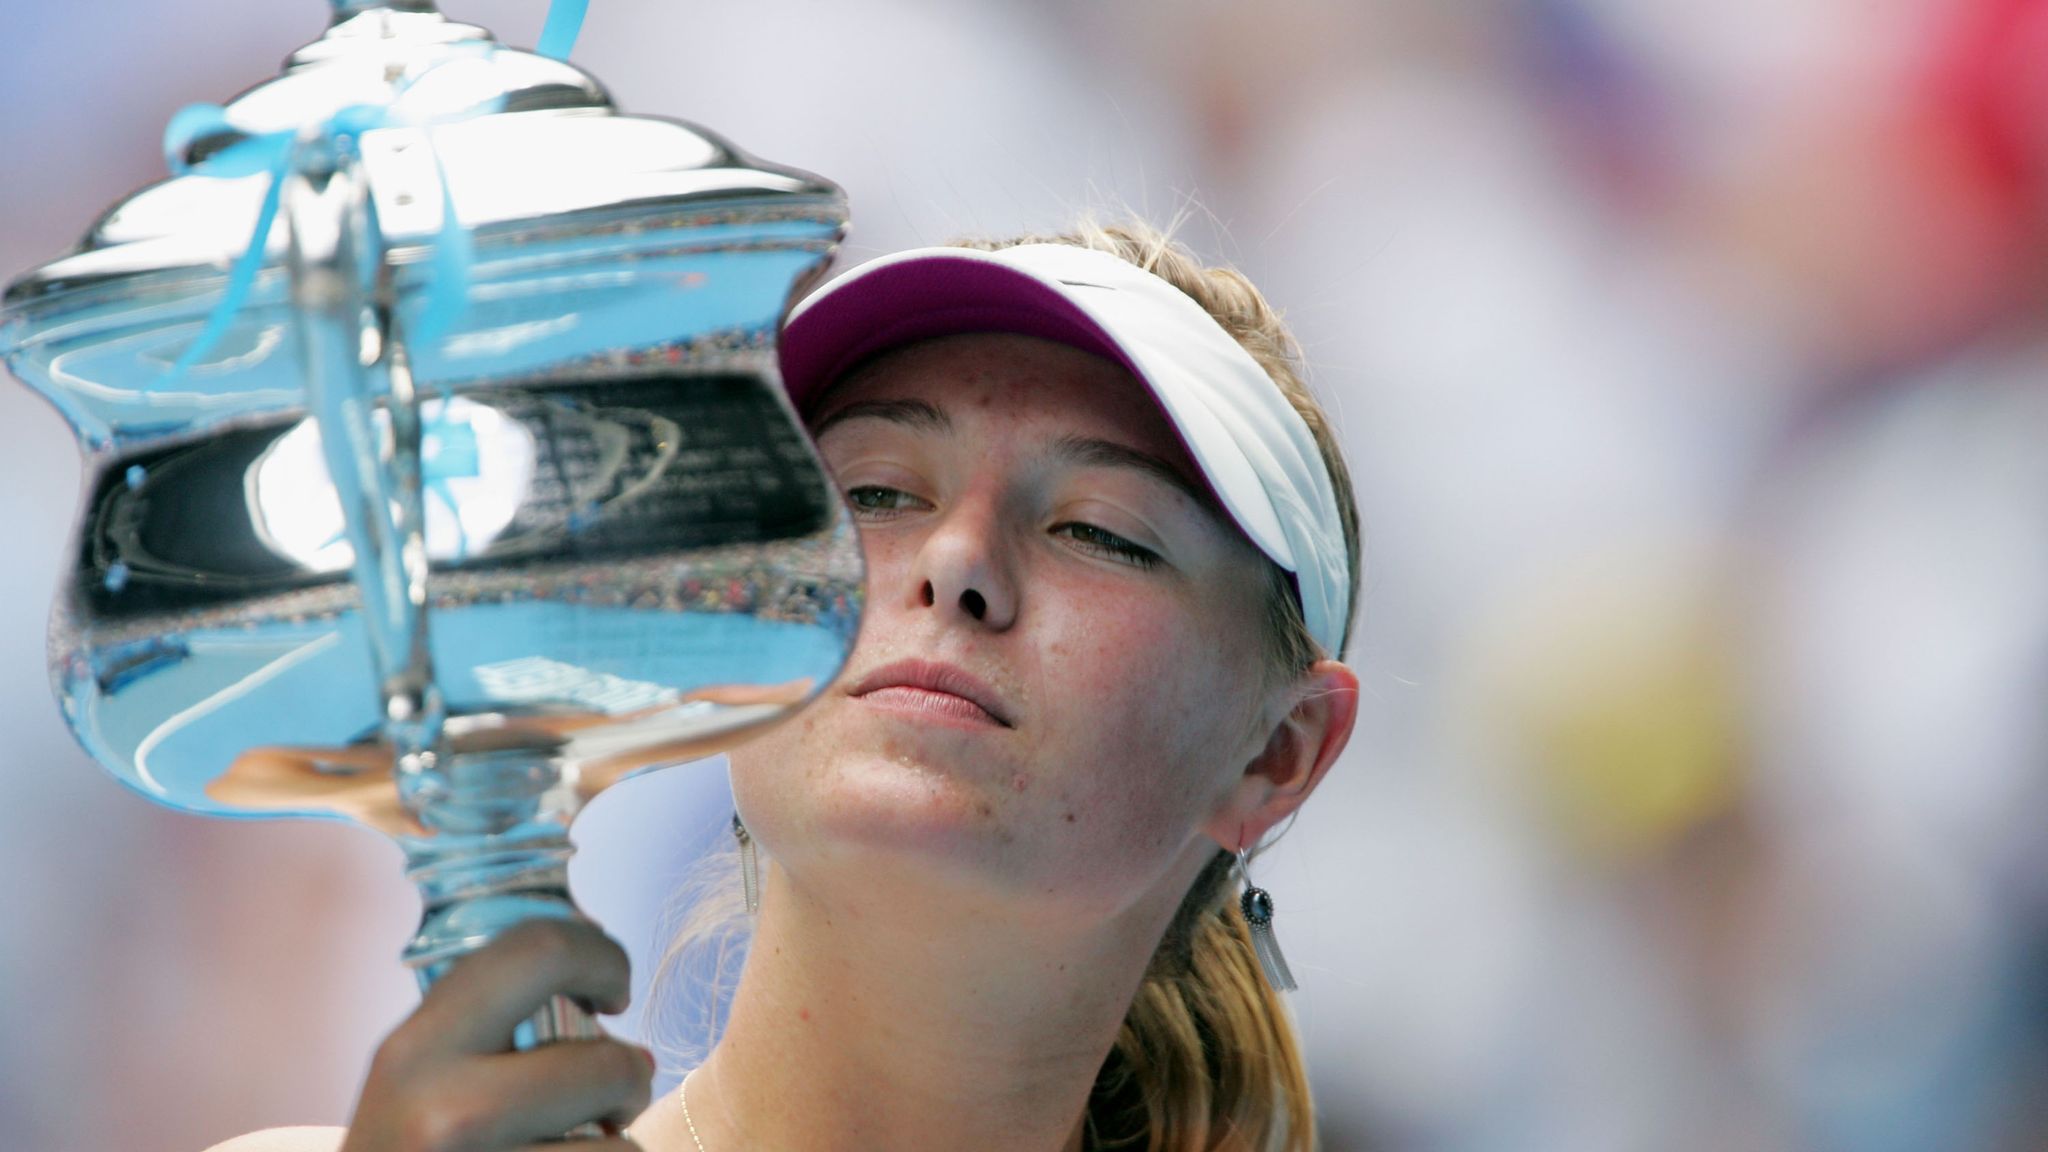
x,y
933,690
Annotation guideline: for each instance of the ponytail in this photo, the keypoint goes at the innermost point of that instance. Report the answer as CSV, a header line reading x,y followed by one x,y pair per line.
x,y
1206,1059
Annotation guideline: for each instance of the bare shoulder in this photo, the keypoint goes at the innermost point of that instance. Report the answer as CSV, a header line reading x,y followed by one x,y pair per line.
x,y
285,1140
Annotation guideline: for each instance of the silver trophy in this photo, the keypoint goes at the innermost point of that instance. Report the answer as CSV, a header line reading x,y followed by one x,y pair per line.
x,y
437,475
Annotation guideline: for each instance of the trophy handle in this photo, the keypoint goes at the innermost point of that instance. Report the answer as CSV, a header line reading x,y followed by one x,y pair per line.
x,y
491,858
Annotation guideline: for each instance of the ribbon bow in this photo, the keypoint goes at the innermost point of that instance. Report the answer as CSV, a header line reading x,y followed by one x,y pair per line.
x,y
270,153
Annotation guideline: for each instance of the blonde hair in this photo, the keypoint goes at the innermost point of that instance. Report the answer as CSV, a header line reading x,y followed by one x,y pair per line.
x,y
1206,1059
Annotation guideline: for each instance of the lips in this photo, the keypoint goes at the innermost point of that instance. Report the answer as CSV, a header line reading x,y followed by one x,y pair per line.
x,y
933,676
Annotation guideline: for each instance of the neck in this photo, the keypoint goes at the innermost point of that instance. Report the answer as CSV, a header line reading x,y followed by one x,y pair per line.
x,y
862,1024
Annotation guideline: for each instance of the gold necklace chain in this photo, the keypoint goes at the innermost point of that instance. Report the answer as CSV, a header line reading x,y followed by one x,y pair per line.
x,y
683,1094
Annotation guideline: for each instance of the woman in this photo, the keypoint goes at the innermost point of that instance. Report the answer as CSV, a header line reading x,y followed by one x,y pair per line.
x,y
1111,556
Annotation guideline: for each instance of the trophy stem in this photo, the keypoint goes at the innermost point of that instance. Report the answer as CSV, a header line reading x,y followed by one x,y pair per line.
x,y
474,886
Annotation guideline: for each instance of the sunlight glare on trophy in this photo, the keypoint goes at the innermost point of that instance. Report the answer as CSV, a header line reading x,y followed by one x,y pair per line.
x,y
476,468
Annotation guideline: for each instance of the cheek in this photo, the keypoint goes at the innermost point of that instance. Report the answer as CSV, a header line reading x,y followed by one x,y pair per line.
x,y
766,770
769,767
1146,700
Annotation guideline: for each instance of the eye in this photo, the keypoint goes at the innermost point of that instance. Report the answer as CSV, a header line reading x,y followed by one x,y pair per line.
x,y
869,499
1109,543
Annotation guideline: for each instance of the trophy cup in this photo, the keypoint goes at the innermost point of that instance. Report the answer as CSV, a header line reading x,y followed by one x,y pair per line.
x,y
437,475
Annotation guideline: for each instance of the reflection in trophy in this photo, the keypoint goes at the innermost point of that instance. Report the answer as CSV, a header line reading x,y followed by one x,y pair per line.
x,y
437,475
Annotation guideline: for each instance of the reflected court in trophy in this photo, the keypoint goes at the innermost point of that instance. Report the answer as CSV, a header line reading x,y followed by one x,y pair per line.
x,y
559,613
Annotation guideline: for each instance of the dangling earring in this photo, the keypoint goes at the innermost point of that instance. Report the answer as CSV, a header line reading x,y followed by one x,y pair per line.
x,y
1257,904
750,876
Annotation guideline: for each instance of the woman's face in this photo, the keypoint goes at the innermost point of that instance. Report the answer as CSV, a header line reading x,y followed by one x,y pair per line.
x,y
1026,516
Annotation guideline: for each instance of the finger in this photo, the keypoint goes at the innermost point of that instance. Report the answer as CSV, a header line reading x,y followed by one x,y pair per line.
x,y
484,995
557,1086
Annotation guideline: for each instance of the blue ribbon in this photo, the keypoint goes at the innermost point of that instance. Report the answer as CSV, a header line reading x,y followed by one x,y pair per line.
x,y
565,22
270,153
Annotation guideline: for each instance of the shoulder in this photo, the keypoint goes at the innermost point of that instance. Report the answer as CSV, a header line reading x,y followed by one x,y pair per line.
x,y
285,1140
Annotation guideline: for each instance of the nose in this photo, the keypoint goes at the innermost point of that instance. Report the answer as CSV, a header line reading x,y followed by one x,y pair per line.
x,y
961,567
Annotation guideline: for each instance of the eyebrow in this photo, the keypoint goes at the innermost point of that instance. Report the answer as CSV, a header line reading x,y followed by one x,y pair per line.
x,y
915,414
1087,451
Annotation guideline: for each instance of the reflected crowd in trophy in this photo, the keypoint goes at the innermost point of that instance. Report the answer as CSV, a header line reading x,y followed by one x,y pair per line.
x,y
1692,366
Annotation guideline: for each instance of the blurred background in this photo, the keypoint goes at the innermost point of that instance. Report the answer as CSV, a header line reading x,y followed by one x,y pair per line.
x,y
1692,365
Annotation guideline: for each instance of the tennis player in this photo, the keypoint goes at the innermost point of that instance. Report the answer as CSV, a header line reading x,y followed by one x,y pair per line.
x,y
1000,867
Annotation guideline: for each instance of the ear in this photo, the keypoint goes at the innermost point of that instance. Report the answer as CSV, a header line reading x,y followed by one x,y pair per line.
x,y
1296,755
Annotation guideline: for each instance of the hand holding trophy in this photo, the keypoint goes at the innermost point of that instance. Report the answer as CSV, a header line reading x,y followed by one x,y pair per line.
x,y
436,473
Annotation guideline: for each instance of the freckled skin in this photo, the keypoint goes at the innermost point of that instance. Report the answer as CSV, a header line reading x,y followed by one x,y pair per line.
x,y
1128,687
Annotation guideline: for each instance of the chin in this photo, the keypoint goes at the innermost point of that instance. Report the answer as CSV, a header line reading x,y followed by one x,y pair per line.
x,y
841,796
905,803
